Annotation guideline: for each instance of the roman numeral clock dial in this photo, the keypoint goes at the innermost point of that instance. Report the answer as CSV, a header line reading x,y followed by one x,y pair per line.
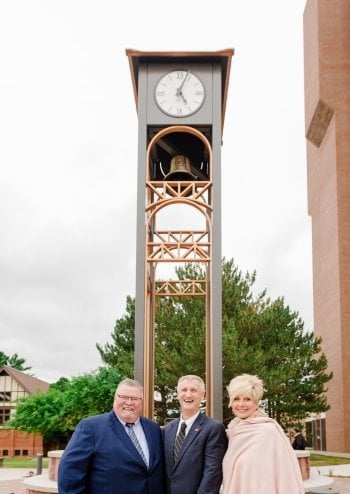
x,y
179,93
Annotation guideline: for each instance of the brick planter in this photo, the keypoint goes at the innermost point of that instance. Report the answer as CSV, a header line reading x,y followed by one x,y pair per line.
x,y
47,482
304,463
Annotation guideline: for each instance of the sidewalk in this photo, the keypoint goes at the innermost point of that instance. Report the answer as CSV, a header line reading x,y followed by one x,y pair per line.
x,y
11,480
339,485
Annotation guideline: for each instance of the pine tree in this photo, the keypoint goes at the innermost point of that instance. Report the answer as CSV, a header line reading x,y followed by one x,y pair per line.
x,y
260,336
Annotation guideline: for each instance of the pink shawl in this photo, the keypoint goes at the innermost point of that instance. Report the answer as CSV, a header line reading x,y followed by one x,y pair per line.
x,y
260,460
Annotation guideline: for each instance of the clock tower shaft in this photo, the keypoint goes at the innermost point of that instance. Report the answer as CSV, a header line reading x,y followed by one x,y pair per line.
x,y
180,99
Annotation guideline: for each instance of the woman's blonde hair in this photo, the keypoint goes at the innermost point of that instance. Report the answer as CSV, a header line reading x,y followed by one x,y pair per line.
x,y
245,384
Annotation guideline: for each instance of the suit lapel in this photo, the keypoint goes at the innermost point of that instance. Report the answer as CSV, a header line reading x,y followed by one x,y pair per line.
x,y
191,436
122,435
173,430
169,441
150,442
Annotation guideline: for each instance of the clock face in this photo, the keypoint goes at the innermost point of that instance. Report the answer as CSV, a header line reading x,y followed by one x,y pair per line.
x,y
179,93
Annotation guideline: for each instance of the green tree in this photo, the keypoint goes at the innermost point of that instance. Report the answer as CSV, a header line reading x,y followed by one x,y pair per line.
x,y
179,345
179,342
42,413
295,375
120,353
14,361
55,414
260,336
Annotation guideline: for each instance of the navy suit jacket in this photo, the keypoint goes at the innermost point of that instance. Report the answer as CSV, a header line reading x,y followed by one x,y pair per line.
x,y
198,468
100,458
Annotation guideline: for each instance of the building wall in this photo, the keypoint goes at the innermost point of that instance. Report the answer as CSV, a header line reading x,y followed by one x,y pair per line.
x,y
12,442
16,443
10,392
327,122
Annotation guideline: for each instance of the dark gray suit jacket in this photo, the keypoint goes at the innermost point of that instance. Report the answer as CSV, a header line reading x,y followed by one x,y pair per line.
x,y
198,468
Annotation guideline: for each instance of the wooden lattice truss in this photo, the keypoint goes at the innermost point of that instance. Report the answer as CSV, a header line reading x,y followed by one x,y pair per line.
x,y
177,246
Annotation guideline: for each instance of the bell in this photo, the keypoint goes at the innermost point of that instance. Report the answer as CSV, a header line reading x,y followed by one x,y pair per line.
x,y
180,169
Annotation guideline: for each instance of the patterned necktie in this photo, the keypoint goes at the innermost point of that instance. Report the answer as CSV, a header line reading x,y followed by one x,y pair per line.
x,y
135,441
179,440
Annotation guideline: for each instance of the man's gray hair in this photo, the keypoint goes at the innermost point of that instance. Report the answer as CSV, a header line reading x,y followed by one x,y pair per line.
x,y
194,378
132,383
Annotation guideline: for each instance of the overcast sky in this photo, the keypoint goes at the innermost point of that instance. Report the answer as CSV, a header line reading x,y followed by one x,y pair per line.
x,y
68,146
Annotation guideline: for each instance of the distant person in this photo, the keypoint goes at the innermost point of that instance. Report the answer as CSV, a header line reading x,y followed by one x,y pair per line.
x,y
195,466
299,441
259,458
102,456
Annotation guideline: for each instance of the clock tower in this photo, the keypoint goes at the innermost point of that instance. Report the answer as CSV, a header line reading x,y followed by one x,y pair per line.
x,y
180,100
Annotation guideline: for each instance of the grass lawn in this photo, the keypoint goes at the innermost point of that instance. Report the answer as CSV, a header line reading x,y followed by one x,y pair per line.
x,y
322,460
22,462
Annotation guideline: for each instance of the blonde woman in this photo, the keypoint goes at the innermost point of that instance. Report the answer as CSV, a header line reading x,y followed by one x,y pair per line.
x,y
259,458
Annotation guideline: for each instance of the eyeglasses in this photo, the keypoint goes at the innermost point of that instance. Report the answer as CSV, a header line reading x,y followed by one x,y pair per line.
x,y
132,398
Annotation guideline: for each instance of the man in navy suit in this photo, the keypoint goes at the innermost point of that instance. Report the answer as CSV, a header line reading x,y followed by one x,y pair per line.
x,y
196,466
103,457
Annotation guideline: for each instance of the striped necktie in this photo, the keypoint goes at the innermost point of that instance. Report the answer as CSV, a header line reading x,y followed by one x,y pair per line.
x,y
135,441
179,440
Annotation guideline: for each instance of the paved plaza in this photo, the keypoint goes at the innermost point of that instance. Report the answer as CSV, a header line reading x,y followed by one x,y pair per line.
x,y
11,480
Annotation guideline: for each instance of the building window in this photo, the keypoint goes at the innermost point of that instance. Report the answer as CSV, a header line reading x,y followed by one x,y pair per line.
x,y
4,415
5,395
5,452
25,452
17,452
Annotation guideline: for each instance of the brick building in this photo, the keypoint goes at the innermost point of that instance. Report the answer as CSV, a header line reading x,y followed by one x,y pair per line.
x,y
14,385
327,121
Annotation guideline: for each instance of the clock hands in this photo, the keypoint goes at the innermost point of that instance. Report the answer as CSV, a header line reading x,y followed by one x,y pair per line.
x,y
179,89
179,93
183,97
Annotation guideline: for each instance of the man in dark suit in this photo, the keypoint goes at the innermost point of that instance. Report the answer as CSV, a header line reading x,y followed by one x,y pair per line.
x,y
103,456
193,466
